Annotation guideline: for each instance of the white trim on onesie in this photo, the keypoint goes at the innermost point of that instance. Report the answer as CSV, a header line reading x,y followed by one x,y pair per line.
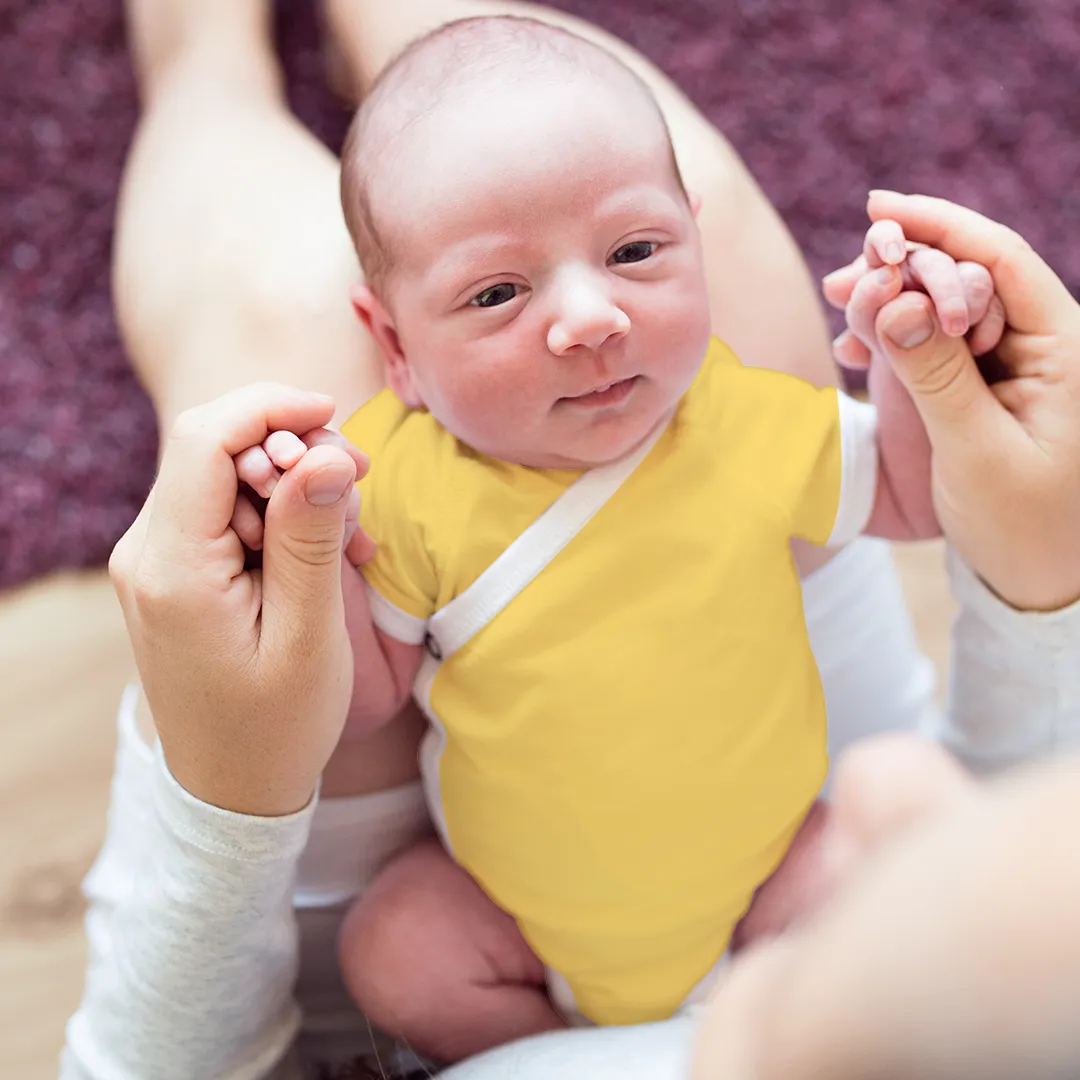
x,y
858,470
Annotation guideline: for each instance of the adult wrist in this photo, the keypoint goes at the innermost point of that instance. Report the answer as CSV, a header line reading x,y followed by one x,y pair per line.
x,y
1034,589
229,833
222,788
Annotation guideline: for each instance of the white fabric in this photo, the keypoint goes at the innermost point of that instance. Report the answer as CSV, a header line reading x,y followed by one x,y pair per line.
x,y
646,1052
995,721
394,622
874,674
193,943
858,470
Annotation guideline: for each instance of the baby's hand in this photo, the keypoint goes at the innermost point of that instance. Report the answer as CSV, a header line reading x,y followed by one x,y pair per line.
x,y
261,467
962,293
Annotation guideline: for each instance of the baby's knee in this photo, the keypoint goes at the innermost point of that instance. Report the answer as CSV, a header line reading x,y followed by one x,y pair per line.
x,y
378,941
406,947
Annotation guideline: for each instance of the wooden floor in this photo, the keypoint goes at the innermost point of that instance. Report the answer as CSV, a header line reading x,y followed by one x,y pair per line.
x,y
63,661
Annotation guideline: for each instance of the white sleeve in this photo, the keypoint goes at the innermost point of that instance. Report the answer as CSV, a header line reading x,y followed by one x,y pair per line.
x,y
193,951
1014,688
858,469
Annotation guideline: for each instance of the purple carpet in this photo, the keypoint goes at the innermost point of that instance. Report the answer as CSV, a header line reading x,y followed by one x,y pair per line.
x,y
973,99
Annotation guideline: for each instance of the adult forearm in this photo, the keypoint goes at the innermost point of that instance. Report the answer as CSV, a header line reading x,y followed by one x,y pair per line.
x,y
193,945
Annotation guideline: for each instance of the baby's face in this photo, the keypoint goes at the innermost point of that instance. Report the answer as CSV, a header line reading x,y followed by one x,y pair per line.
x,y
547,301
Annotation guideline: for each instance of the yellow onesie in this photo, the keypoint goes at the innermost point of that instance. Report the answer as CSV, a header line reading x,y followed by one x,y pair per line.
x,y
622,753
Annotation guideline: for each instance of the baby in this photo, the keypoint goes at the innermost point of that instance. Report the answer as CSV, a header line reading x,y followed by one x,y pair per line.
x,y
583,505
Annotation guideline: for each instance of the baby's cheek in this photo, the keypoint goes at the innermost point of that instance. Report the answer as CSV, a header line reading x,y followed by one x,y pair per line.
x,y
508,389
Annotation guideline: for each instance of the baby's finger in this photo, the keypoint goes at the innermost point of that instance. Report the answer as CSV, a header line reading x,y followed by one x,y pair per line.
x,y
254,468
871,294
360,548
978,288
352,515
284,448
850,353
939,276
247,523
989,330
885,244
329,437
837,286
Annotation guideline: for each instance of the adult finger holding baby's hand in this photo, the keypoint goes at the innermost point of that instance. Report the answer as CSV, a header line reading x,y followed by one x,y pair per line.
x,y
1006,456
248,673
962,292
260,467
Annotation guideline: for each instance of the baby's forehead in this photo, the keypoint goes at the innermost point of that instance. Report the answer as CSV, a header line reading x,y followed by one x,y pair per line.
x,y
487,99
513,131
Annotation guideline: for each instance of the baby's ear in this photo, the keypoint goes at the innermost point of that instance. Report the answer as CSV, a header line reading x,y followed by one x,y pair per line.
x,y
373,314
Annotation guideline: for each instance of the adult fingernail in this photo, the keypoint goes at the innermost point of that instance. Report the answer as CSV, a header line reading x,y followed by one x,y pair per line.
x,y
909,329
329,485
882,191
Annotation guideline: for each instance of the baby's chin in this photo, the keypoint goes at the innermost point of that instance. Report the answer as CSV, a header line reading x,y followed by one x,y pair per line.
x,y
586,454
598,445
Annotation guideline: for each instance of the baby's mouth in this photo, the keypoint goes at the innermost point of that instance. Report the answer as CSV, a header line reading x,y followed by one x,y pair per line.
x,y
608,394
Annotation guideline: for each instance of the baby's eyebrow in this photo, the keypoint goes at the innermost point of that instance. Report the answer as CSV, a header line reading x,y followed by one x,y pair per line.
x,y
638,200
458,259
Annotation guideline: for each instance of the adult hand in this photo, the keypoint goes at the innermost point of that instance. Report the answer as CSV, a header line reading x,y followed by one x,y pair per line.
x,y
248,672
1006,455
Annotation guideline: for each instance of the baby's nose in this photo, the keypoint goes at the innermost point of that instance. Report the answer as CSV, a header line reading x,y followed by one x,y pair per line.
x,y
586,317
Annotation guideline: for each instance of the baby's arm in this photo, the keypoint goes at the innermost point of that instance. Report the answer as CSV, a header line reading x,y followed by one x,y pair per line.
x,y
384,667
963,296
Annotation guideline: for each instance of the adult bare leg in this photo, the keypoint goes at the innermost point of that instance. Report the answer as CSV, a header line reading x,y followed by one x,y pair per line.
x,y
232,262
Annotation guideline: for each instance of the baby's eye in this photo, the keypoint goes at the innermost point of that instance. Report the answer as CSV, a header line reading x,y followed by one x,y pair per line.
x,y
502,293
636,251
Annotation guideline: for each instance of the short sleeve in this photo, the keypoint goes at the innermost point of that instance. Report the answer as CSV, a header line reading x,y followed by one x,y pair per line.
x,y
859,465
401,578
809,452
837,495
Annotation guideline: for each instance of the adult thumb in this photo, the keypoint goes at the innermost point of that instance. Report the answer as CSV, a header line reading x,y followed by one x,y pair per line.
x,y
938,371
302,542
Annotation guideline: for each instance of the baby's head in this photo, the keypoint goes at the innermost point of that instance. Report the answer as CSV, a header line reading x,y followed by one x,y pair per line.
x,y
535,274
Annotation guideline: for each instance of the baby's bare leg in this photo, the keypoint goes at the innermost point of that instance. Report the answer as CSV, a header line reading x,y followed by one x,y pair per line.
x,y
429,958
232,263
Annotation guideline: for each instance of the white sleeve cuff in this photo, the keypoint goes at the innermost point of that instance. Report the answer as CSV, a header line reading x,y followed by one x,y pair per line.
x,y
858,469
1014,688
394,622
224,833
